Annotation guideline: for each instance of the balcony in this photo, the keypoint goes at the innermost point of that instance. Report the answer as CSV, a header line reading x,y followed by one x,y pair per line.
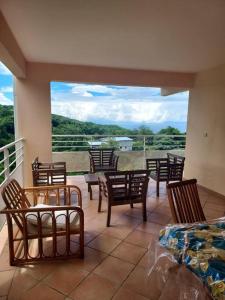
x,y
119,259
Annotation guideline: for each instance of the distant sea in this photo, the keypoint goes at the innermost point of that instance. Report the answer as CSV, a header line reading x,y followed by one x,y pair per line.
x,y
155,127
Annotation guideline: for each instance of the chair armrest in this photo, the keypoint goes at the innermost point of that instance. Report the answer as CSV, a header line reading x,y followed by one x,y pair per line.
x,y
47,192
44,209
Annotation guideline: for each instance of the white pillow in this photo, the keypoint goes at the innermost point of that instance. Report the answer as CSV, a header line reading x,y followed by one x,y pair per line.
x,y
46,217
60,216
32,217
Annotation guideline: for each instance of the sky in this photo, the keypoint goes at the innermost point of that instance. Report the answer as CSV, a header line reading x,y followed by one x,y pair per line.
x,y
107,103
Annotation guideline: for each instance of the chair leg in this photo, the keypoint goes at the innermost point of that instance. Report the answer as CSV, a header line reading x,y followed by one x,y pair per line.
x,y
144,211
82,245
157,188
99,200
131,205
108,216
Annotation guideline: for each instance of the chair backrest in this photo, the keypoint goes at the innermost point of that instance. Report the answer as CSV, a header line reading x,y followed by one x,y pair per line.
x,y
175,171
102,157
184,202
152,164
48,173
127,186
175,159
14,197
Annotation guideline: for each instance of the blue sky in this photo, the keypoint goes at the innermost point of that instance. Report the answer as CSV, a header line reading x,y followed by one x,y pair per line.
x,y
93,102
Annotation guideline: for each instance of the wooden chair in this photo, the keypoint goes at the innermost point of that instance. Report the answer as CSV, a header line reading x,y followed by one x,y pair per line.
x,y
175,159
102,160
124,187
48,173
184,202
165,169
41,228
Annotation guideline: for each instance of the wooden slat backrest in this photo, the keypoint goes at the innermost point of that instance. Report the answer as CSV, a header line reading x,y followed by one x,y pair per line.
x,y
162,167
151,164
175,171
127,185
174,158
102,157
184,202
48,173
15,198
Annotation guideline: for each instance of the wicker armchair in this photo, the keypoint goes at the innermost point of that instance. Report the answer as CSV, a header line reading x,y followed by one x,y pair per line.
x,y
124,187
41,222
48,173
184,202
165,169
102,160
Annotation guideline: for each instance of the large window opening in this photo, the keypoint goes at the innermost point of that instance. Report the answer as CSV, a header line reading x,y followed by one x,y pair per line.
x,y
133,120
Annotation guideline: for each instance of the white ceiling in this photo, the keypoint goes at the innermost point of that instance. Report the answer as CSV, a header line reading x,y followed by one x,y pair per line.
x,y
169,35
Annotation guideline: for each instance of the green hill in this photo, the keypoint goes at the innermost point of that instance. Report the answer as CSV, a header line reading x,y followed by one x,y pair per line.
x,y
63,125
60,125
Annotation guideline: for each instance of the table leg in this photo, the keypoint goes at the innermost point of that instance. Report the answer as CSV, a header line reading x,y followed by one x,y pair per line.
x,y
90,191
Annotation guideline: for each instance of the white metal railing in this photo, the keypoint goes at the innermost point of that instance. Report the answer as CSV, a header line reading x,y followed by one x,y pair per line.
x,y
139,142
11,158
73,149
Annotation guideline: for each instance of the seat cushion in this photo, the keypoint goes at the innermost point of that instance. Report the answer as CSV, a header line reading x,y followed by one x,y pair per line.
x,y
32,217
47,220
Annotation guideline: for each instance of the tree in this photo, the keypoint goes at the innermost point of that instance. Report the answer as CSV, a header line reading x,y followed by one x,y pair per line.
x,y
169,131
143,130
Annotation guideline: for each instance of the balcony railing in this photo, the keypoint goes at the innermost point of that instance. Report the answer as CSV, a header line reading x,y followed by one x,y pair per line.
x,y
133,152
11,166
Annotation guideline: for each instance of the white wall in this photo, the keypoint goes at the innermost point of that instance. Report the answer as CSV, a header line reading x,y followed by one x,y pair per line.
x,y
205,149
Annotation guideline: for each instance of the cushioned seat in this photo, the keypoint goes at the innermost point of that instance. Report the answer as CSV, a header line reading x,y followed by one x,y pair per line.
x,y
42,224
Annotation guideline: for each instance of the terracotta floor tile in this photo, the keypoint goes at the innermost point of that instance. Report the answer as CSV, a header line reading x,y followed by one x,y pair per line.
x,y
150,257
65,279
6,278
114,269
104,243
135,212
159,218
119,231
91,259
139,282
150,283
42,292
128,252
94,287
39,271
140,238
21,282
149,227
4,260
125,294
214,206
88,236
163,209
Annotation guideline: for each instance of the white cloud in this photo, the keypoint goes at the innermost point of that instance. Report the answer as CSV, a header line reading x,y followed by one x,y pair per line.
x,y
6,89
133,104
4,70
5,100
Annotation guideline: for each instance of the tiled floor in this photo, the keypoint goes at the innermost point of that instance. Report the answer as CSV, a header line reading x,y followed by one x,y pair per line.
x,y
117,259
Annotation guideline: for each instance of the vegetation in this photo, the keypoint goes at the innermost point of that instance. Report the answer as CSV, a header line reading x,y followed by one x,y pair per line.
x,y
62,125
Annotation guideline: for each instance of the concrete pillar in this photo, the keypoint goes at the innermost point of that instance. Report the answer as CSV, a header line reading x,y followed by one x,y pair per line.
x,y
33,121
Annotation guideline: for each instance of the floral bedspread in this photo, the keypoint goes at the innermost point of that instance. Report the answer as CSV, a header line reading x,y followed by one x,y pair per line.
x,y
201,247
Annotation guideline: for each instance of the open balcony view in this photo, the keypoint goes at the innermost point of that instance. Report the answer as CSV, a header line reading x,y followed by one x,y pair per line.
x,y
112,150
